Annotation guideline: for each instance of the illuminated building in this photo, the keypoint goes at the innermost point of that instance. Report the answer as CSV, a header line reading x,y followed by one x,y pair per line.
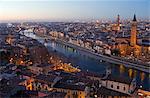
x,y
133,39
10,39
133,32
118,23
116,26
145,46
132,48
66,67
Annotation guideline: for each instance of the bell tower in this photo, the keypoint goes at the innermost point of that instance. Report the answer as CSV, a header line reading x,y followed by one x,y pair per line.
x,y
118,22
133,31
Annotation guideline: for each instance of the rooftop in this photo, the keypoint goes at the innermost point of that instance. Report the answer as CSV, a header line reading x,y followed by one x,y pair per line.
x,y
118,79
46,78
56,95
89,74
69,86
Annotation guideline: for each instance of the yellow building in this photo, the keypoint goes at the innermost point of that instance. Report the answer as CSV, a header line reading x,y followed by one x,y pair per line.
x,y
135,49
133,32
145,45
132,48
70,93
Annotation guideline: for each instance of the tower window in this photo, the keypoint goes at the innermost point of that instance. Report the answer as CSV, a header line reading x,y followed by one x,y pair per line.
x,y
117,87
111,86
124,88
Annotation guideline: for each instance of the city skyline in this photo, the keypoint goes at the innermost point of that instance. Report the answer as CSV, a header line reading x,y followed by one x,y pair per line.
x,y
67,10
74,48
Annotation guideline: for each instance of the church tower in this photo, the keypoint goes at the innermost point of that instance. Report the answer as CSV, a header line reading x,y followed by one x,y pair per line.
x,y
133,31
118,22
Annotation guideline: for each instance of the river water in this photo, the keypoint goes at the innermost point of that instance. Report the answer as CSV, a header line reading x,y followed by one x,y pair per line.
x,y
84,62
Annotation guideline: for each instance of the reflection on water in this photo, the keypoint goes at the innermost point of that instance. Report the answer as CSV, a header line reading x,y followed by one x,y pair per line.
x,y
130,73
142,76
134,73
87,63
122,69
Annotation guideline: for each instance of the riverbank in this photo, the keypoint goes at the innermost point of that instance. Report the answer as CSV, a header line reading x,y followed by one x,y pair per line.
x,y
110,59
80,59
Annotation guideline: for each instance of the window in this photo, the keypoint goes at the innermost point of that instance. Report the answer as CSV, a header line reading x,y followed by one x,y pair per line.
x,y
111,86
28,88
117,87
124,88
75,92
46,88
28,82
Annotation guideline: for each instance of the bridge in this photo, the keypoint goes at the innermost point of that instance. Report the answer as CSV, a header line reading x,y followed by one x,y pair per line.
x,y
111,59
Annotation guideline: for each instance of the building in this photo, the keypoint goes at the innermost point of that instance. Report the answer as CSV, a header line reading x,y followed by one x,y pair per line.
x,y
118,23
104,92
71,90
10,86
135,49
56,94
129,46
133,37
118,84
146,46
116,27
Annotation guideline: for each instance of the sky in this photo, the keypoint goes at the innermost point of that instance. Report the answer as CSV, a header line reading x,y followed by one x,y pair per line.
x,y
61,10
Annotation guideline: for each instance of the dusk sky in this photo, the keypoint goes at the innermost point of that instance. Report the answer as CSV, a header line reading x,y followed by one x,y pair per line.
x,y
55,10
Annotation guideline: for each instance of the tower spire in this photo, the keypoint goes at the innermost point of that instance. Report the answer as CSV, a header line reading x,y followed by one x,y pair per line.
x,y
134,18
118,19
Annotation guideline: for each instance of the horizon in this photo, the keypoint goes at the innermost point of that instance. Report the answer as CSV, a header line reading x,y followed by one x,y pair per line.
x,y
67,10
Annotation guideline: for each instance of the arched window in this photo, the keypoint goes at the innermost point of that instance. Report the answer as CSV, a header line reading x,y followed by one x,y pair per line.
x,y
124,88
46,88
117,87
111,86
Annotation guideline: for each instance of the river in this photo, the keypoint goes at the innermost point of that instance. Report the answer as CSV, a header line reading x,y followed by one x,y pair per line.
x,y
84,62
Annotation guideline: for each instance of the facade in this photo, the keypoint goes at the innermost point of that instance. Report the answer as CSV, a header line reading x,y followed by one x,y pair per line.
x,y
145,44
117,84
104,92
133,38
72,91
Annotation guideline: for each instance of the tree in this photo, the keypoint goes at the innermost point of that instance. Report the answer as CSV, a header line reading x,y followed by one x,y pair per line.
x,y
4,57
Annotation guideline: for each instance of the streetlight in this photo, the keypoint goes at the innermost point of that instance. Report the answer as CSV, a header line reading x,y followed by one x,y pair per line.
x,y
95,96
